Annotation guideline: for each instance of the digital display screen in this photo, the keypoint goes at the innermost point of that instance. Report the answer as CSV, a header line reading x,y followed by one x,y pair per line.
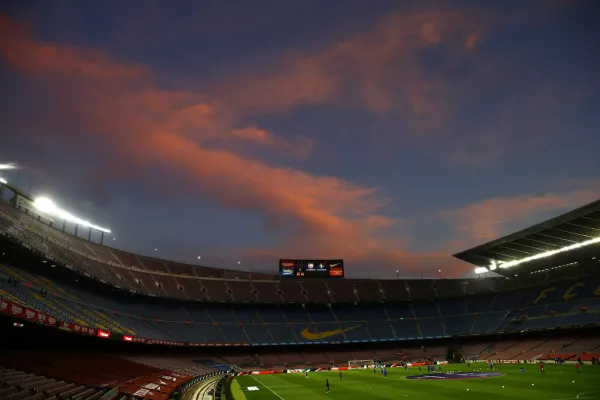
x,y
311,269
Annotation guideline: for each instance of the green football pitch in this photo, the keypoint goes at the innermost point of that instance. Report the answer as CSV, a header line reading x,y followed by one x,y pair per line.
x,y
561,382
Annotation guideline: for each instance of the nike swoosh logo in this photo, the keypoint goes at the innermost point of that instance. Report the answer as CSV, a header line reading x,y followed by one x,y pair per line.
x,y
306,334
334,265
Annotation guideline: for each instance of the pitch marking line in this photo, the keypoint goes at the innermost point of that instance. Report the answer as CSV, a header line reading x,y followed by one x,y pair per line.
x,y
580,396
271,390
295,386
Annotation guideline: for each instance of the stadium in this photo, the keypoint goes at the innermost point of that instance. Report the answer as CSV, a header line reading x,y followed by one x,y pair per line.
x,y
81,320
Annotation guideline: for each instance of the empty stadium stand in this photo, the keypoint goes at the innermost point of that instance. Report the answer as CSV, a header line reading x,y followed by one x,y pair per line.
x,y
55,279
321,322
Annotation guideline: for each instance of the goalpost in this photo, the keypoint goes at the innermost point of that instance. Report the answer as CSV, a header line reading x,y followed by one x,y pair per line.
x,y
360,364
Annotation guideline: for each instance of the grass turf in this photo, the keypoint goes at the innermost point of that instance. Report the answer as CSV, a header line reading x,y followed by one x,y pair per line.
x,y
561,382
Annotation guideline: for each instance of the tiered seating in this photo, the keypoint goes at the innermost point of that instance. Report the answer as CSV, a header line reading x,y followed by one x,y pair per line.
x,y
181,364
422,289
75,367
242,291
271,360
65,246
267,323
292,292
15,384
530,349
586,348
134,272
449,287
368,291
501,351
394,290
19,385
317,292
473,350
216,290
267,292
342,291
293,359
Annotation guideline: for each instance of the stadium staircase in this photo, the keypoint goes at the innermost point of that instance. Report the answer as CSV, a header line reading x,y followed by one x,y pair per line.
x,y
419,329
516,356
492,355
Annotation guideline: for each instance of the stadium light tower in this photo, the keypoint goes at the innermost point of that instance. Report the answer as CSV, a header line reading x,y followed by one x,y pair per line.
x,y
47,206
2,183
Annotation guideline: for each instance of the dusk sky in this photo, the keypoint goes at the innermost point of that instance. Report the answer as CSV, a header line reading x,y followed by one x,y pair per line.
x,y
391,134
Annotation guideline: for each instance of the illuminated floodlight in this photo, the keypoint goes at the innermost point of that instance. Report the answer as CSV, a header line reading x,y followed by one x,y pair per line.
x,y
3,181
47,206
549,253
481,270
7,166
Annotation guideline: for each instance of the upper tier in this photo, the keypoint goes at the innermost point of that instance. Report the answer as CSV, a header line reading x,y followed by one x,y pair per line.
x,y
161,278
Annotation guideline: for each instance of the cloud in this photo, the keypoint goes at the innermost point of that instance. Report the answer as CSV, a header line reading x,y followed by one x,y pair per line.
x,y
488,219
382,67
430,71
206,135
32,56
137,125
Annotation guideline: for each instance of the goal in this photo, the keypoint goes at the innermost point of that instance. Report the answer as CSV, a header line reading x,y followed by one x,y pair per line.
x,y
360,364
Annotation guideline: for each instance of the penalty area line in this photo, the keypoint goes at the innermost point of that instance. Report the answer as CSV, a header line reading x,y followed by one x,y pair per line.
x,y
271,390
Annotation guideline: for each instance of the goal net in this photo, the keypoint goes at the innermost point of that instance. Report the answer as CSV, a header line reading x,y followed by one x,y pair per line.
x,y
360,363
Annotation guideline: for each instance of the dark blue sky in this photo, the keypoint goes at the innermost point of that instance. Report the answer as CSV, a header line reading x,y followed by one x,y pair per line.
x,y
390,134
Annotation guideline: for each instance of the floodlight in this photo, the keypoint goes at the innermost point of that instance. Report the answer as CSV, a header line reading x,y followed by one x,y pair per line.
x,y
47,206
3,181
481,270
7,166
550,253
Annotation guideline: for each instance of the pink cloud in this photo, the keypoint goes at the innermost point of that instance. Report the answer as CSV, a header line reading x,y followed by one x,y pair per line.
x,y
142,126
485,220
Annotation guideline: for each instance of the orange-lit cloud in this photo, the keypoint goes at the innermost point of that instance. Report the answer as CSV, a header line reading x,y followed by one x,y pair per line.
x,y
203,135
143,125
32,56
488,219
382,66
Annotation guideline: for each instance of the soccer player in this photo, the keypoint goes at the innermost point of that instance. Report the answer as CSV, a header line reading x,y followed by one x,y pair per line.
x,y
419,368
340,374
374,370
542,368
578,366
306,372
326,385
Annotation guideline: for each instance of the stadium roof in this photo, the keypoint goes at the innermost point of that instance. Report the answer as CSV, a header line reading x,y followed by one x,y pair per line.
x,y
575,227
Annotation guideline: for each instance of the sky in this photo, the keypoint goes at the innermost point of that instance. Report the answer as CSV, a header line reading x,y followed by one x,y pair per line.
x,y
391,134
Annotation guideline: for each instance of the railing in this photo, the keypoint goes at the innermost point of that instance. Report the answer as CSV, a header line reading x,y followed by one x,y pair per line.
x,y
182,390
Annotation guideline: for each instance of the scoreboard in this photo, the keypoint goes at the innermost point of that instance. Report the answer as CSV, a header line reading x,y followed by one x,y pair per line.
x,y
311,269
